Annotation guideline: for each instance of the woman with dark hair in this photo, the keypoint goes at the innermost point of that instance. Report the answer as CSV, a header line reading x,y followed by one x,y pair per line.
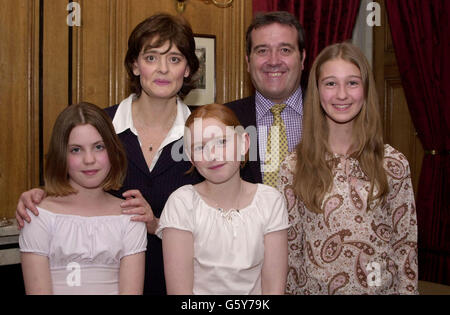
x,y
160,62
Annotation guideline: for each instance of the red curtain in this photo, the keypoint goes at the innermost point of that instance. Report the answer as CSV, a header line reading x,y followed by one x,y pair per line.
x,y
325,21
421,37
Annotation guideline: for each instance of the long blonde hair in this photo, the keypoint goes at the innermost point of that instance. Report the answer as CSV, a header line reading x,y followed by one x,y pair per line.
x,y
313,173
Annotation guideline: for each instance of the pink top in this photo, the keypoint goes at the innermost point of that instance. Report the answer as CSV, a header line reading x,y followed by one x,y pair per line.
x,y
348,249
84,252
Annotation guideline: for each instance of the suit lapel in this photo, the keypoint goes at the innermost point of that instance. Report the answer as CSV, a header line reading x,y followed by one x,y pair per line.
x,y
255,166
247,117
134,152
247,113
166,160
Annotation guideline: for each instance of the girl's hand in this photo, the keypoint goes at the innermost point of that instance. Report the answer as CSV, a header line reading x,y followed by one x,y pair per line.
x,y
28,200
135,203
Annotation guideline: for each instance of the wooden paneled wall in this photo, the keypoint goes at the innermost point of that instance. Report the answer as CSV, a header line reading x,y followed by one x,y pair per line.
x,y
46,65
19,119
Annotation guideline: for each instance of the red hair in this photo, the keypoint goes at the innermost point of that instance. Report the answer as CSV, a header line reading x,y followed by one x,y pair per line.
x,y
217,111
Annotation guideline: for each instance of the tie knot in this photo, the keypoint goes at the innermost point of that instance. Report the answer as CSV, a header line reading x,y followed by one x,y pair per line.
x,y
277,109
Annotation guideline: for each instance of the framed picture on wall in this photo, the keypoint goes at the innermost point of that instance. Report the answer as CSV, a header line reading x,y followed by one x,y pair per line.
x,y
205,93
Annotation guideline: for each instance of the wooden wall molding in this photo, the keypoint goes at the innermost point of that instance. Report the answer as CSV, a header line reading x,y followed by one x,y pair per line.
x,y
234,26
18,89
33,172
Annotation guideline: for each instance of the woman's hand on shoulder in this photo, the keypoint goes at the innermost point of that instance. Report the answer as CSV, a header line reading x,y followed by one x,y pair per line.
x,y
28,200
136,204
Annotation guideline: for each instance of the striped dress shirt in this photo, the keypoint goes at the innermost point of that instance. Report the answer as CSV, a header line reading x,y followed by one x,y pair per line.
x,y
292,116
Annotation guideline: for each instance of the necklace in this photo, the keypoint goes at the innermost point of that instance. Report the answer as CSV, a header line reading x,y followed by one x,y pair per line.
x,y
168,126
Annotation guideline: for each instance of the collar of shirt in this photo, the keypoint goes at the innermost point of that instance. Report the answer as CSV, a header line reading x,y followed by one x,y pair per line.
x,y
123,120
263,105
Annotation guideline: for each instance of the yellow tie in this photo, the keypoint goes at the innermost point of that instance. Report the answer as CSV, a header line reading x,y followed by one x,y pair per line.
x,y
277,147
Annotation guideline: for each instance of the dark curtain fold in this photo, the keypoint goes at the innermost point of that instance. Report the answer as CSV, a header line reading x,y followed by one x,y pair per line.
x,y
421,37
325,21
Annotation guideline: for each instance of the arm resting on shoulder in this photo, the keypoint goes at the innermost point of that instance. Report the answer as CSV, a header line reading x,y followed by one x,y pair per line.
x,y
28,200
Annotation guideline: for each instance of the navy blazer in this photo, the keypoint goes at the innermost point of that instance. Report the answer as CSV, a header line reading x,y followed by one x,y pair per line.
x,y
156,187
245,110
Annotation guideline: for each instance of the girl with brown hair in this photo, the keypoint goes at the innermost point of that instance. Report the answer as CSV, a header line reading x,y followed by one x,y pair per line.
x,y
349,195
81,243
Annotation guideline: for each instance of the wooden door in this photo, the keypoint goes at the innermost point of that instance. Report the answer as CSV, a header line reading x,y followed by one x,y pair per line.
x,y
399,130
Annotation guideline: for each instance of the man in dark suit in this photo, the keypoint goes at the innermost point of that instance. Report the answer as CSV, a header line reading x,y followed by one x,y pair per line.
x,y
275,54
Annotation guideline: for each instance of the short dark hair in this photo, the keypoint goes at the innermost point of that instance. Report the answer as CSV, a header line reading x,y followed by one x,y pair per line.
x,y
162,27
55,174
280,17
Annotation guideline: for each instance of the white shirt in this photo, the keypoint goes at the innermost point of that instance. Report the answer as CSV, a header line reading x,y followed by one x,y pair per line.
x,y
228,247
123,120
92,245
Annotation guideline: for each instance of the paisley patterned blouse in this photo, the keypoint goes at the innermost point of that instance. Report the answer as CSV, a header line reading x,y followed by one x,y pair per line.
x,y
348,249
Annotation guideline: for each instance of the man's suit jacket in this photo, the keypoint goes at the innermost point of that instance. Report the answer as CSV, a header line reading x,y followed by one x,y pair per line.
x,y
245,110
156,187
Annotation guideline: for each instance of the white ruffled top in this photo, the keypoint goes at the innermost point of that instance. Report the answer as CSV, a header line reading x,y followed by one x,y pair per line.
x,y
84,252
228,246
